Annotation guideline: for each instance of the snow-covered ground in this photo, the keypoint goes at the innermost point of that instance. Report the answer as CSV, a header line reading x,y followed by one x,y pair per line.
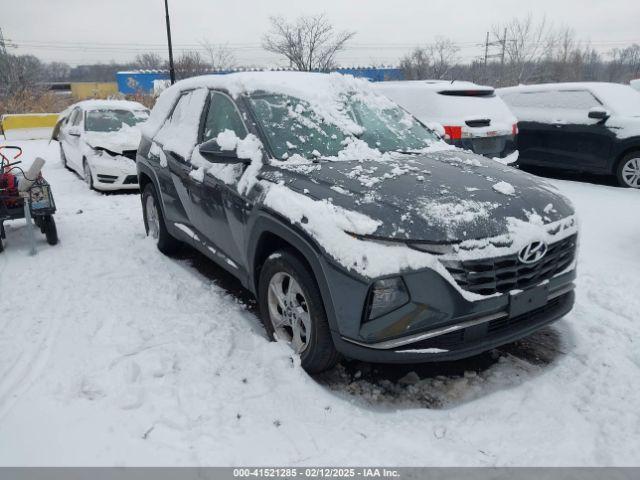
x,y
112,354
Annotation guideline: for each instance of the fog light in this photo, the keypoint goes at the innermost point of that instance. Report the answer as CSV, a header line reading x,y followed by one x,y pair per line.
x,y
386,296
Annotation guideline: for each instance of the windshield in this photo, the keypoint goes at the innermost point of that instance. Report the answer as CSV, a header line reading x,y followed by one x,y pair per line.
x,y
292,127
113,120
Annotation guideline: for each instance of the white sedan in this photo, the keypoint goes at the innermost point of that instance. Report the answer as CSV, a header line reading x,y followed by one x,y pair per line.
x,y
99,139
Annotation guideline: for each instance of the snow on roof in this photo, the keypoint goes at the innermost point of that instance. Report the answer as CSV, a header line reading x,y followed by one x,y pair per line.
x,y
108,105
322,91
621,98
435,85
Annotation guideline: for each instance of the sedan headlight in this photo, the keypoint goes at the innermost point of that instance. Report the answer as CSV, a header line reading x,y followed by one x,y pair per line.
x,y
386,296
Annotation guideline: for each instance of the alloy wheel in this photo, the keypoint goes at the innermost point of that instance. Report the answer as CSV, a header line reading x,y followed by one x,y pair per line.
x,y
289,311
153,219
631,172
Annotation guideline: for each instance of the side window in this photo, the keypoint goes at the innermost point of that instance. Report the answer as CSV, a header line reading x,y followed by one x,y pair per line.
x,y
72,117
180,130
78,117
222,115
179,111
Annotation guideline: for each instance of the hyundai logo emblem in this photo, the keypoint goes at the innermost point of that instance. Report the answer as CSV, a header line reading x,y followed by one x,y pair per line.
x,y
533,252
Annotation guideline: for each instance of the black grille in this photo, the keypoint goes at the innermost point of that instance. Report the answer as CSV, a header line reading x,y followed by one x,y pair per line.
x,y
503,274
130,180
107,178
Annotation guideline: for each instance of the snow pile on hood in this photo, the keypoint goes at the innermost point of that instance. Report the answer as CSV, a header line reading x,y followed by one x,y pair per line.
x,y
329,224
505,188
127,138
336,230
450,214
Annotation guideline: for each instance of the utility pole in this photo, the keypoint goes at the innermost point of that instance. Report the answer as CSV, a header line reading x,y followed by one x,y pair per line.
x,y
486,56
3,48
504,48
172,72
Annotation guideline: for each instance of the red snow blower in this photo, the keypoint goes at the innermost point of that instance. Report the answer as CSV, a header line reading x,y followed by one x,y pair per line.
x,y
25,195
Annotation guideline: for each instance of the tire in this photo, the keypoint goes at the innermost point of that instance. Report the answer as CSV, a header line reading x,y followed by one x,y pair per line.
x,y
48,227
156,229
63,157
88,177
279,304
628,171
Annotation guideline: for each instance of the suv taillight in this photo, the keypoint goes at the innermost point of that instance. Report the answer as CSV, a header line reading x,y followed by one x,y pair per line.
x,y
453,133
514,129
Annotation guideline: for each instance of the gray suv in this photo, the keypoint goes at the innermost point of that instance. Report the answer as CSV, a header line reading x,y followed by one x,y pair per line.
x,y
359,231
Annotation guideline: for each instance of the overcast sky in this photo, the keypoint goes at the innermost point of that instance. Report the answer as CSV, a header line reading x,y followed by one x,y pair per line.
x,y
90,31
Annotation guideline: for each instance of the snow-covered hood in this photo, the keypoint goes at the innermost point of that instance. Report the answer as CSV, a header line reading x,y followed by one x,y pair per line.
x,y
117,142
447,196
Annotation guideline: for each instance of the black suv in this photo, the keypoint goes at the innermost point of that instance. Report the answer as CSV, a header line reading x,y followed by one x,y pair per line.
x,y
360,232
585,127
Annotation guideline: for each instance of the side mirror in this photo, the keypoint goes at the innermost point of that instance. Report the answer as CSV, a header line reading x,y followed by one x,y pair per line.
x,y
598,113
212,151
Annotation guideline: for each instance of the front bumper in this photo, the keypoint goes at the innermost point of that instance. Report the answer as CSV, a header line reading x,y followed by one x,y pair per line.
x,y
113,173
493,147
439,324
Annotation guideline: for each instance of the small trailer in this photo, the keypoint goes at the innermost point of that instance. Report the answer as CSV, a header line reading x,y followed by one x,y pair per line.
x,y
25,195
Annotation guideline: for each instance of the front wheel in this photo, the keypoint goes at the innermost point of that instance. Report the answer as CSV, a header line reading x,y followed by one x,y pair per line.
x,y
291,310
154,222
628,171
88,177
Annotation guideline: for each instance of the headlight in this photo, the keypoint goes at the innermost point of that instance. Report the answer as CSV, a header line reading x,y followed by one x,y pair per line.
x,y
386,296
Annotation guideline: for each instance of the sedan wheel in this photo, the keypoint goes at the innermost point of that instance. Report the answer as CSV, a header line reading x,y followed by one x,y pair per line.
x,y
88,178
153,219
630,172
289,311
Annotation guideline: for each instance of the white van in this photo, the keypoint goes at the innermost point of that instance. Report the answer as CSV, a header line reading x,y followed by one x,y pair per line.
x,y
473,116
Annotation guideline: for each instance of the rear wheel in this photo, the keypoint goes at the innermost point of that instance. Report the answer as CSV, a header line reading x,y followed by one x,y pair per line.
x,y
628,171
154,222
48,227
291,310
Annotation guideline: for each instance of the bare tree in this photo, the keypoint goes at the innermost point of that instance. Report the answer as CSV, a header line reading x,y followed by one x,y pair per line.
x,y
220,56
191,63
149,61
432,61
309,43
525,45
57,71
625,63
